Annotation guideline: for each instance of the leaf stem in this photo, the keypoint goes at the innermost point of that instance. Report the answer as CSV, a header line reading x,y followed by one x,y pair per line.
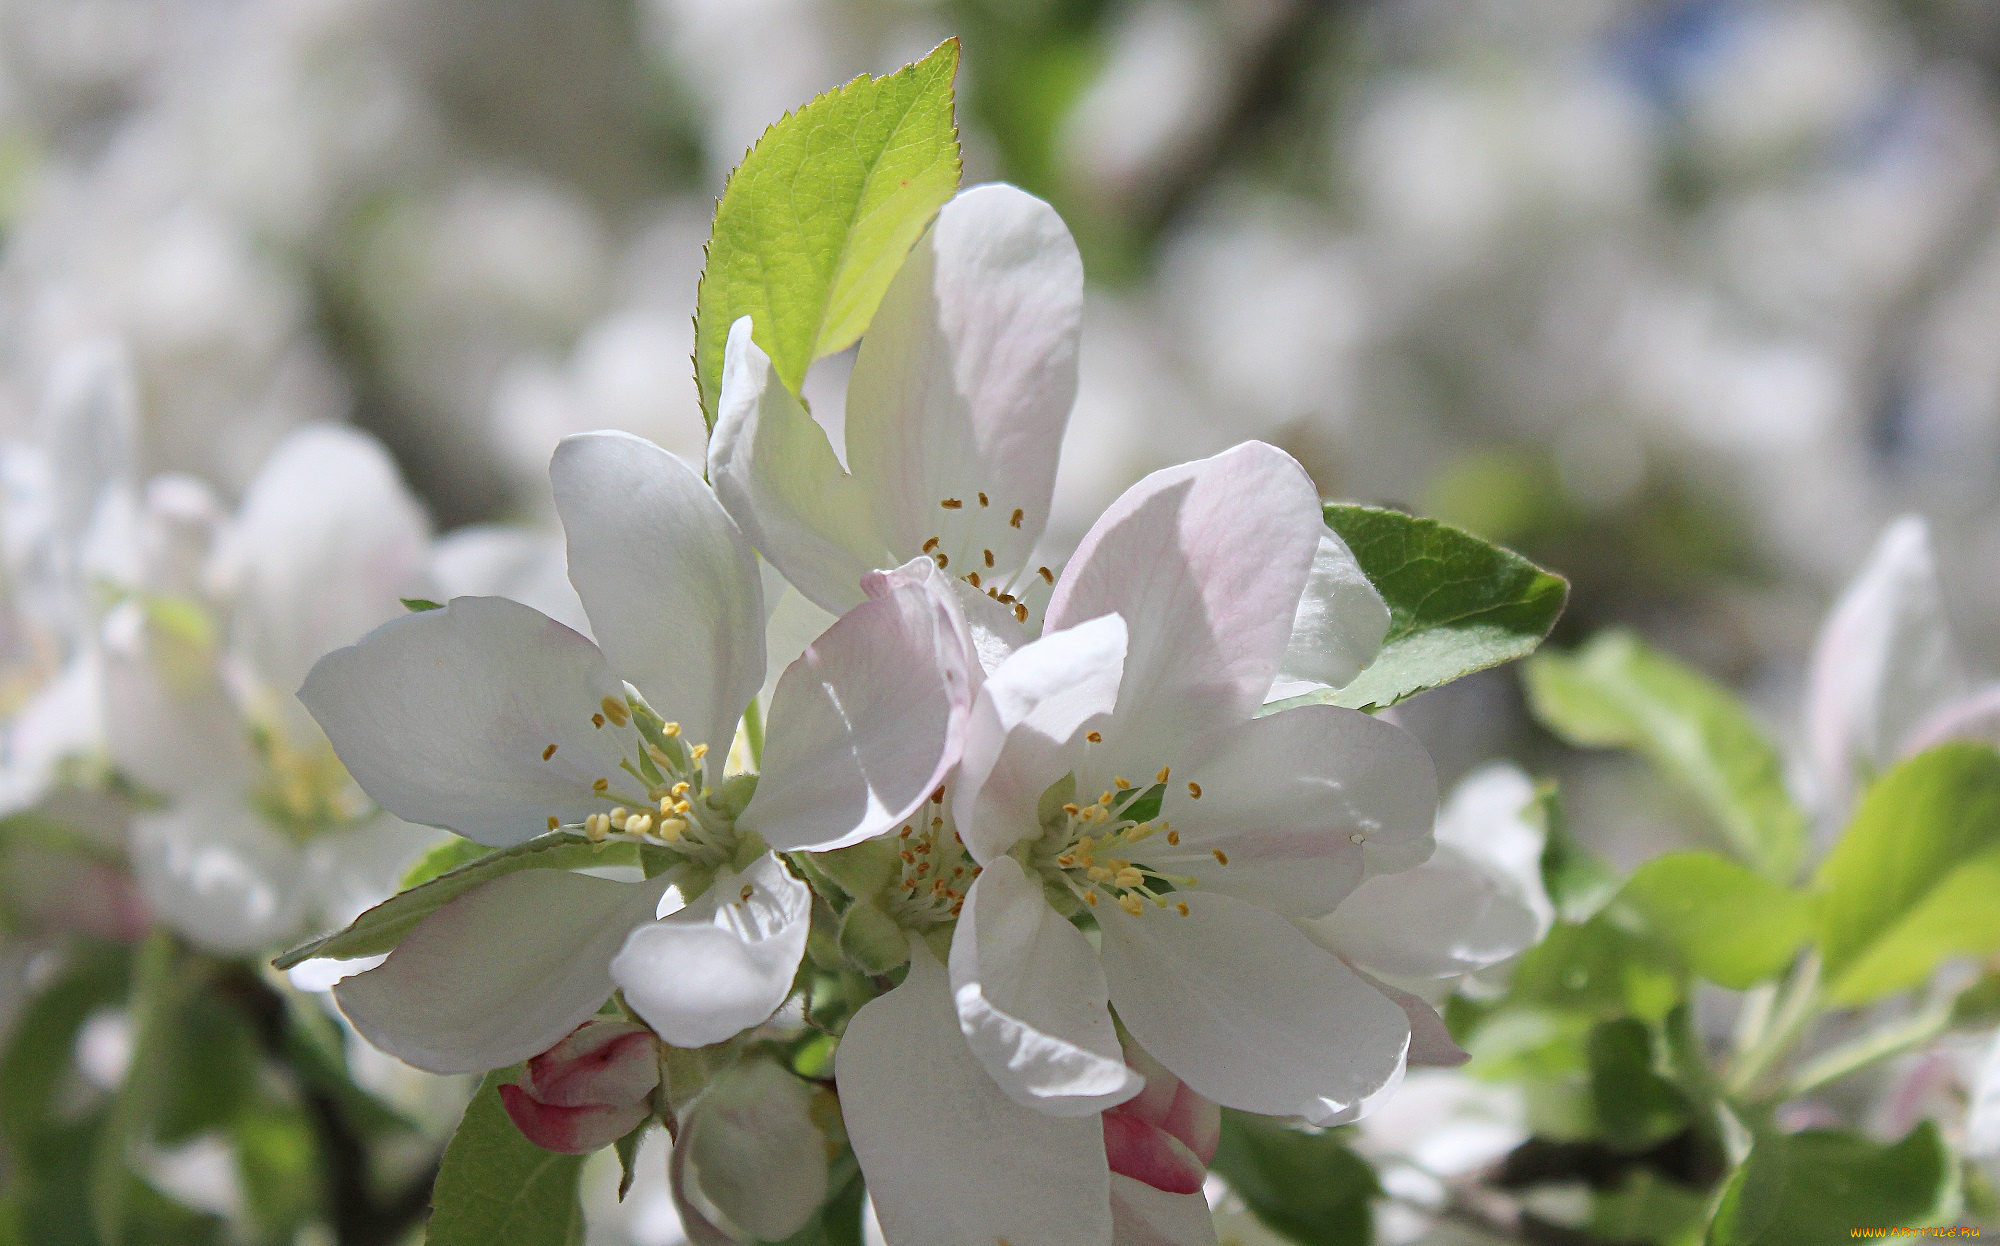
x,y
1852,1057
1794,1008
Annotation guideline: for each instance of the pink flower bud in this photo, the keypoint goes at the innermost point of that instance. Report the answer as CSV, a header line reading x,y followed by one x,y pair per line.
x,y
587,1091
1166,1135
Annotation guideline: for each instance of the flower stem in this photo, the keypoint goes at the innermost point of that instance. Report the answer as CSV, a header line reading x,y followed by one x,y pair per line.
x,y
1796,1005
1852,1057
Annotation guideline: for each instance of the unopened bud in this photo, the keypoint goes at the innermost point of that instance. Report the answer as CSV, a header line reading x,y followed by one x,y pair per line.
x,y
587,1091
1166,1135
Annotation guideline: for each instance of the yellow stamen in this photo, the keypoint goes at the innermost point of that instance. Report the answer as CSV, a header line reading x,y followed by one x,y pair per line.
x,y
1129,877
1090,898
982,499
972,578
1048,576
671,828
615,710
744,895
1098,874
989,556
1182,907
1162,776
597,720
1020,614
1121,784
639,823
601,785
1019,514
930,545
1194,790
1131,904
553,822
698,752
548,752
951,504
670,730
1221,857
1095,737
1174,838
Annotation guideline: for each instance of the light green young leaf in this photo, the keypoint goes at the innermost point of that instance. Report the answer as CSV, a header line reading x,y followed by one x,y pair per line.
x,y
1732,926
1819,1185
496,1186
1912,880
1456,604
1618,692
1308,1187
381,928
817,219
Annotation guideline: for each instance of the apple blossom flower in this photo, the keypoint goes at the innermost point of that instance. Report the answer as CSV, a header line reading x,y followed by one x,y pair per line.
x,y
263,833
1887,680
589,1090
487,718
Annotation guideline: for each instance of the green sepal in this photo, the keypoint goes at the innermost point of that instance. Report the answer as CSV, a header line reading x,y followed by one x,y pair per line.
x,y
871,939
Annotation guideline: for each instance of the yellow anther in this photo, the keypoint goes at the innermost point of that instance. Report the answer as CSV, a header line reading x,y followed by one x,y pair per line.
x,y
972,578
1132,904
951,504
1221,857
596,826
548,752
982,499
1020,614
930,545
1090,898
1048,576
671,828
1098,874
666,805
639,823
600,785
1066,860
1162,776
989,556
698,752
615,710
1015,521
597,720
1129,877
679,789
1143,830
1104,799
942,560
554,822
670,730
1174,838
1121,784
1194,790
1182,907
1095,737
744,895
658,754
618,813
681,806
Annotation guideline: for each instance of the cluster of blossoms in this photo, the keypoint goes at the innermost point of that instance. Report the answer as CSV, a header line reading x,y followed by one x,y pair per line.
x,y
1091,879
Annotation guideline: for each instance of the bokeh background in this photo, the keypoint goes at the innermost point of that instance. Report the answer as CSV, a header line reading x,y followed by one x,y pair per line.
x,y
1684,299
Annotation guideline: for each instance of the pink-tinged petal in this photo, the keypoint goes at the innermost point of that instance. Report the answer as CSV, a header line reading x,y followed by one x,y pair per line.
x,y
1206,562
1303,804
776,473
1026,730
722,964
1431,1043
1144,1216
670,584
867,723
1976,717
1449,916
499,974
497,560
1171,1104
569,1130
754,1152
600,1063
964,382
1339,627
1246,1010
1884,662
950,1160
1031,999
443,718
1150,1154
327,541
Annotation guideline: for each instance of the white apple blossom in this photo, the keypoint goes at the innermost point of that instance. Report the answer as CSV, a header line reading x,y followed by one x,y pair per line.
x,y
492,720
1165,634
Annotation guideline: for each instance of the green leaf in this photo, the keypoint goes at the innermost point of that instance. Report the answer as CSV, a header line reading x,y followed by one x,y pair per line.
x,y
495,1186
417,605
381,928
1819,1185
1579,882
1636,1107
1732,926
819,216
627,1148
1912,880
442,860
1456,604
1309,1187
1618,692
1597,969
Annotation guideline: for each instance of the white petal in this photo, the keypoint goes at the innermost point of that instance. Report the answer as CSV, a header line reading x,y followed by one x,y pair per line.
x,y
670,584
1206,561
950,1161
1339,627
1241,1006
176,729
65,719
1431,1044
443,717
494,560
869,720
499,974
1447,916
1982,1119
723,963
1144,1216
965,379
794,624
1885,660
775,471
217,874
1304,803
1031,999
327,541
1026,728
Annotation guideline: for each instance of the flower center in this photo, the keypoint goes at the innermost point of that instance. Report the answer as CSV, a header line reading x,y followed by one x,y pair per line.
x,y
936,869
1085,846
663,798
964,549
304,792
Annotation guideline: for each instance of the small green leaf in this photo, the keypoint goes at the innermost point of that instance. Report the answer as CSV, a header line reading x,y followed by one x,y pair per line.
x,y
1577,880
628,1156
1617,692
871,939
819,216
1732,926
1912,880
1456,604
442,860
1598,969
1636,1107
417,605
1819,1185
381,928
496,1186
1309,1187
